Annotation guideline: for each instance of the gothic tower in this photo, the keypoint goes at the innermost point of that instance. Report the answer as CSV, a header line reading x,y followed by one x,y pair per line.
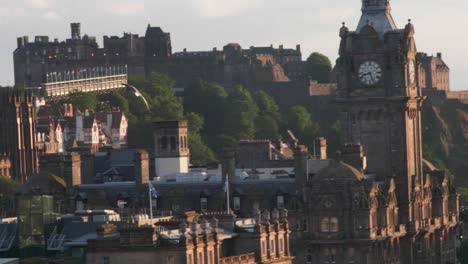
x,y
17,133
379,98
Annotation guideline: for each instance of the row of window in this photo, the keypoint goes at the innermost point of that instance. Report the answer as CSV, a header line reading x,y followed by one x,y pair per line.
x,y
237,203
164,142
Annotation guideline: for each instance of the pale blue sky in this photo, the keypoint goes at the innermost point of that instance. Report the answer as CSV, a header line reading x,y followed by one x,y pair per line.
x,y
441,25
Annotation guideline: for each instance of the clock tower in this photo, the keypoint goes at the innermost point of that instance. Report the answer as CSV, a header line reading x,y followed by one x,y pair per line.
x,y
380,100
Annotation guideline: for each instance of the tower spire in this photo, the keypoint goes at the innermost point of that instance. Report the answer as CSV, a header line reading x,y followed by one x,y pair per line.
x,y
377,13
375,5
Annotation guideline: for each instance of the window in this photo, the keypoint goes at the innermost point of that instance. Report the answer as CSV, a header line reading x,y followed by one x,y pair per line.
x,y
203,204
211,259
272,247
325,224
200,257
305,225
237,205
163,143
175,207
329,224
281,248
334,224
280,202
173,143
106,260
263,248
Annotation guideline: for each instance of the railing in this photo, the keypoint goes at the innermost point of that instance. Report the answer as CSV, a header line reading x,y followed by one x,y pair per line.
x,y
97,84
55,241
6,239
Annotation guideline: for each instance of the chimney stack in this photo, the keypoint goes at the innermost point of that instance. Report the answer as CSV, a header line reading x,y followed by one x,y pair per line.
x,y
142,174
298,48
20,42
320,149
439,55
353,154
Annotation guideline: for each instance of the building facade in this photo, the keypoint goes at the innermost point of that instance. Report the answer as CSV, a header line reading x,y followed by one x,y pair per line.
x,y
35,61
380,102
201,239
18,133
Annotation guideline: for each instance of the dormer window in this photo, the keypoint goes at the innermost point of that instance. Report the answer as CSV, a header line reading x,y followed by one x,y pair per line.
x,y
236,203
203,204
280,202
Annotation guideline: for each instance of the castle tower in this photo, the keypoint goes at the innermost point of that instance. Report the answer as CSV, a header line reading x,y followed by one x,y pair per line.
x,y
75,31
157,43
380,100
171,149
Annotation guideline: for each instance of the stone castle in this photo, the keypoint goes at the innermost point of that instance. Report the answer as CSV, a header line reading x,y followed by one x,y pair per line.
x,y
153,52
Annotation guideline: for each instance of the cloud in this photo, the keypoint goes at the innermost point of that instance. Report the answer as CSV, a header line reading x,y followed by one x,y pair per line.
x,y
8,14
39,4
127,8
223,8
51,15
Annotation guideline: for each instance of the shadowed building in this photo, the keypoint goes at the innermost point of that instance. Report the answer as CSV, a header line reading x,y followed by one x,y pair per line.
x,y
18,133
202,239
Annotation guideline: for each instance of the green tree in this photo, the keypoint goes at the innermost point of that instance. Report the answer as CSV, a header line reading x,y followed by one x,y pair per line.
x,y
83,101
164,104
318,67
428,155
267,105
240,116
207,99
302,125
266,127
200,153
299,119
268,120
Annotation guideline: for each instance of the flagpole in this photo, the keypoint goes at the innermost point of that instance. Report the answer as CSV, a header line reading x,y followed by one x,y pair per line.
x,y
227,194
150,200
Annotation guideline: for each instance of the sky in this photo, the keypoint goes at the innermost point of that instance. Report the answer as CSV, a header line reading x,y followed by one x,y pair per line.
x,y
203,24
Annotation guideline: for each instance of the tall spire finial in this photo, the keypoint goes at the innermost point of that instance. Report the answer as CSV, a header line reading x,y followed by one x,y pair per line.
x,y
375,5
376,13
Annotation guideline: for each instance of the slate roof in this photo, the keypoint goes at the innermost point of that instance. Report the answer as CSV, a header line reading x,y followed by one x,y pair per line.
x,y
378,16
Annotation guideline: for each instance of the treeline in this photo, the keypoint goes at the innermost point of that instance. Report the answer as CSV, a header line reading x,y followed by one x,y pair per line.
x,y
217,117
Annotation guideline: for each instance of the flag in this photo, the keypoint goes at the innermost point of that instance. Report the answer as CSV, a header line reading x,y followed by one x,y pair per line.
x,y
154,193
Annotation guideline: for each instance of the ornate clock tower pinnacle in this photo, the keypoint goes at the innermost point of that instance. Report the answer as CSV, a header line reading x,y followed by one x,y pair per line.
x,y
377,14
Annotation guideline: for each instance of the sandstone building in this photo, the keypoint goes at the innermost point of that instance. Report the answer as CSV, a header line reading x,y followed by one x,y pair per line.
x,y
198,239
380,102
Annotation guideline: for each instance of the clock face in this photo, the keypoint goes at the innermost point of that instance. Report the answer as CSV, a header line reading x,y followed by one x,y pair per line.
x,y
412,72
370,73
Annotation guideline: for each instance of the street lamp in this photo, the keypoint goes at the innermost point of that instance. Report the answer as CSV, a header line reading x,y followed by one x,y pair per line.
x,y
137,93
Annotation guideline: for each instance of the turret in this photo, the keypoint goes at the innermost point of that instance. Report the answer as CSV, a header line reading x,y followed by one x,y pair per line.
x,y
76,31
